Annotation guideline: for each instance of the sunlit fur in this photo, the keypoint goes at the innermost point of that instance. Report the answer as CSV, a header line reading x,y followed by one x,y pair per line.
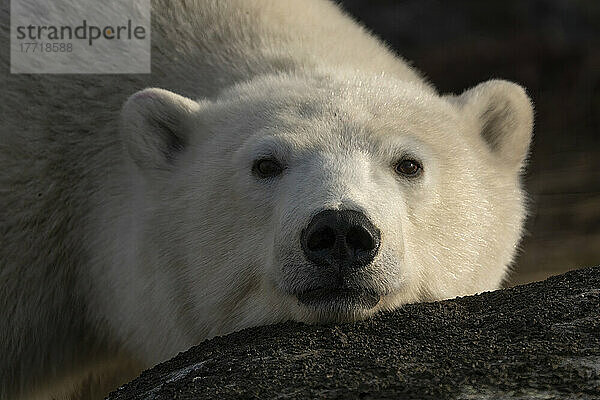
x,y
118,245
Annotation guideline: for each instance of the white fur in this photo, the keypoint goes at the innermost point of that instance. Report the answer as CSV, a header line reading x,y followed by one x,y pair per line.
x,y
137,233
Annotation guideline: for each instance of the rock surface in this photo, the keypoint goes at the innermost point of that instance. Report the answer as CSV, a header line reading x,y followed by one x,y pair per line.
x,y
540,341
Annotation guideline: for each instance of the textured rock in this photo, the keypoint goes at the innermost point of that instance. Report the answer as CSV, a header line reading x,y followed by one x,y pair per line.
x,y
540,340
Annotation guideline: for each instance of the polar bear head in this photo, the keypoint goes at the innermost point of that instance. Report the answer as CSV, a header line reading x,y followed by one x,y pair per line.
x,y
323,198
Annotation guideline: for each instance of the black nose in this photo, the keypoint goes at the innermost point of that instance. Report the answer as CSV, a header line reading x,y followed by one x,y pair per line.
x,y
341,239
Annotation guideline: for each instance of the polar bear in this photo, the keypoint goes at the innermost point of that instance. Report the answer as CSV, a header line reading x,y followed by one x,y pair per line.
x,y
280,163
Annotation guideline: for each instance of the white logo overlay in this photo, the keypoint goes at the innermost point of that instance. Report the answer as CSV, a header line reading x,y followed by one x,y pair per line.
x,y
83,36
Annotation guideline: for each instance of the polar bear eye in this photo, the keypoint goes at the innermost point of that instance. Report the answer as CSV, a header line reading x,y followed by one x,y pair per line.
x,y
267,168
408,167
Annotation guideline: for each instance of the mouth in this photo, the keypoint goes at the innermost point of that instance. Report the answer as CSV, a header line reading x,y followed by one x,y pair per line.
x,y
339,298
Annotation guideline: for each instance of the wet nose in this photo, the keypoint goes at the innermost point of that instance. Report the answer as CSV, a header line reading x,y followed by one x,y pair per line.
x,y
341,239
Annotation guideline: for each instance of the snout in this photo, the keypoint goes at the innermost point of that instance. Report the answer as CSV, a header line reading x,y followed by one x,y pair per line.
x,y
340,243
342,240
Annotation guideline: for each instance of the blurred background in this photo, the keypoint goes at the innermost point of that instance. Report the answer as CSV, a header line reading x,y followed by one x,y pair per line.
x,y
552,47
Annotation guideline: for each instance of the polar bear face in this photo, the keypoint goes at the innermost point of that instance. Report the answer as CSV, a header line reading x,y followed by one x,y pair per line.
x,y
321,199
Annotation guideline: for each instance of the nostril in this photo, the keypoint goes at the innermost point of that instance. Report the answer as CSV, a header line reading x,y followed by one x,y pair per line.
x,y
359,240
322,239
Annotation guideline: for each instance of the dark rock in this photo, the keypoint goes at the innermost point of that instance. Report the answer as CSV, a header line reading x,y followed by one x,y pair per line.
x,y
540,340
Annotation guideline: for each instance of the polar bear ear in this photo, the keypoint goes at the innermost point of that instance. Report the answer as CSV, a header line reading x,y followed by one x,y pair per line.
x,y
504,117
155,125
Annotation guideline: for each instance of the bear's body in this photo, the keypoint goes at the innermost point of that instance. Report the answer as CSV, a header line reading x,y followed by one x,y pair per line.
x,y
129,235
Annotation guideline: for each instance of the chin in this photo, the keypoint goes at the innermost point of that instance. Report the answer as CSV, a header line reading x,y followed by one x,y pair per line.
x,y
325,305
